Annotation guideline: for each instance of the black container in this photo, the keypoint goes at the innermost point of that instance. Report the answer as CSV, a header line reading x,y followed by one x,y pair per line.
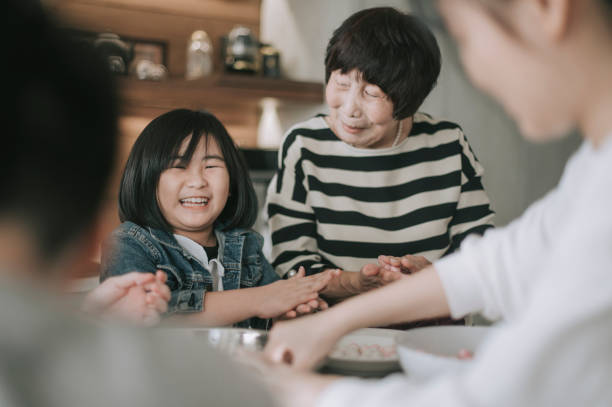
x,y
270,62
240,51
117,52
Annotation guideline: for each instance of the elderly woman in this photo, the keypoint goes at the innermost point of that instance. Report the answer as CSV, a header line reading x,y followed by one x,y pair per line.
x,y
374,177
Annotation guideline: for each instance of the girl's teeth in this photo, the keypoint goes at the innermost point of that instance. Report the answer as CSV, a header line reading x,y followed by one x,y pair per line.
x,y
195,201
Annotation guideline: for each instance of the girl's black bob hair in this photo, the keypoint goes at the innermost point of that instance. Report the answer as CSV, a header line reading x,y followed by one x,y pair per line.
x,y
393,50
153,153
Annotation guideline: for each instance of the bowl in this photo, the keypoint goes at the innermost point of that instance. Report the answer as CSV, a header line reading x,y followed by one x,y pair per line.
x,y
230,339
227,340
367,352
431,351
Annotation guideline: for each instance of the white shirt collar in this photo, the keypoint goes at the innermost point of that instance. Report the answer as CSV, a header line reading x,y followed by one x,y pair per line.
x,y
196,250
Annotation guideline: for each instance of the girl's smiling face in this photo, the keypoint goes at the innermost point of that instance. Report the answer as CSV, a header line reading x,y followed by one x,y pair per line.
x,y
192,195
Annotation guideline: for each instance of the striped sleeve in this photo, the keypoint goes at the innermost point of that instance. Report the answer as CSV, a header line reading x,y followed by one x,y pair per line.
x,y
291,220
473,213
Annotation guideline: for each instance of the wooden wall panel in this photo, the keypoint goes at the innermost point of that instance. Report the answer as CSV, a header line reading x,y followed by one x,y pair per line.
x,y
169,22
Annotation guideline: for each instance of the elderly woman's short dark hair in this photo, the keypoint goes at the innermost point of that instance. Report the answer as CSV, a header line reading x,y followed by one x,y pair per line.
x,y
392,50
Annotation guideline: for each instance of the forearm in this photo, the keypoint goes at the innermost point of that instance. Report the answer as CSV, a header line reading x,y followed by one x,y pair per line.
x,y
415,297
222,308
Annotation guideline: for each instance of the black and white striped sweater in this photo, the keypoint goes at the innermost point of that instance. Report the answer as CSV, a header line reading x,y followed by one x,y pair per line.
x,y
332,205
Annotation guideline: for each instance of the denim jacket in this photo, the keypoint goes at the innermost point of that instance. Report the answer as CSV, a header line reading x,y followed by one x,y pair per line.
x,y
135,248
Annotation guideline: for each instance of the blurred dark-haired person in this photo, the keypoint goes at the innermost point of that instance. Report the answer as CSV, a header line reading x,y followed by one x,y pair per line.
x,y
187,205
375,176
58,148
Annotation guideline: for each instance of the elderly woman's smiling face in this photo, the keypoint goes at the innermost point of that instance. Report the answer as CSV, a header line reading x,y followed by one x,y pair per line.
x,y
361,114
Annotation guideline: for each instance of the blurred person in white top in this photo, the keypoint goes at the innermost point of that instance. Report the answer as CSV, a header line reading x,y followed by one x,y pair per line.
x,y
58,145
547,275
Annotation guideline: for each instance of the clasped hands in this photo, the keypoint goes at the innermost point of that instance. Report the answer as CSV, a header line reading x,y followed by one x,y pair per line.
x,y
139,298
343,284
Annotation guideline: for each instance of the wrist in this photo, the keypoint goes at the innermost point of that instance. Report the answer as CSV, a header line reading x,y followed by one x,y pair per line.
x,y
352,282
259,294
345,285
261,300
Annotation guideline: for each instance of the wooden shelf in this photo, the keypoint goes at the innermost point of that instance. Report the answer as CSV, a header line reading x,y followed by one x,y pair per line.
x,y
234,98
217,92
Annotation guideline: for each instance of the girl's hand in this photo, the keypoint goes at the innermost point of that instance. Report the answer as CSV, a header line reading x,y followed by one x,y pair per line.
x,y
312,306
407,264
284,297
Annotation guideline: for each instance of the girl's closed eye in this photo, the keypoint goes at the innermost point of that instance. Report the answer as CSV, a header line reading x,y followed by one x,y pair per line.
x,y
214,162
179,163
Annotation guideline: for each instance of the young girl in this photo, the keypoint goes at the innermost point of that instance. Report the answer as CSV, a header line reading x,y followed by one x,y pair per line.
x,y
186,202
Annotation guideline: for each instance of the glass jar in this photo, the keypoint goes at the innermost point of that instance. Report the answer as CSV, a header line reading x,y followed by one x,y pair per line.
x,y
199,56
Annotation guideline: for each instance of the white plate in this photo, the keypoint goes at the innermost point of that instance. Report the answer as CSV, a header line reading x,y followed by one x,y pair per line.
x,y
433,350
365,366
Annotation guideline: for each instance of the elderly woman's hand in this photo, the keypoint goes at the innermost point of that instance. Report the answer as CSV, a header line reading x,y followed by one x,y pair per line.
x,y
407,264
374,276
312,306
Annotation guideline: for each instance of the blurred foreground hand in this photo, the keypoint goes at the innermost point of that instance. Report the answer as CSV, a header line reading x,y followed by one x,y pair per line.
x,y
138,298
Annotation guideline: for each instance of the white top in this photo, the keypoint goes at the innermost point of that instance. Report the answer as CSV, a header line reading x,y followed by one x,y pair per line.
x,y
214,266
549,276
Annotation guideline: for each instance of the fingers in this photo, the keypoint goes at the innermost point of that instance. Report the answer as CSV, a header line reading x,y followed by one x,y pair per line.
x,y
133,278
164,292
303,309
160,289
412,264
390,276
318,281
156,302
370,270
161,276
314,304
389,263
334,273
290,314
408,264
309,307
301,272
